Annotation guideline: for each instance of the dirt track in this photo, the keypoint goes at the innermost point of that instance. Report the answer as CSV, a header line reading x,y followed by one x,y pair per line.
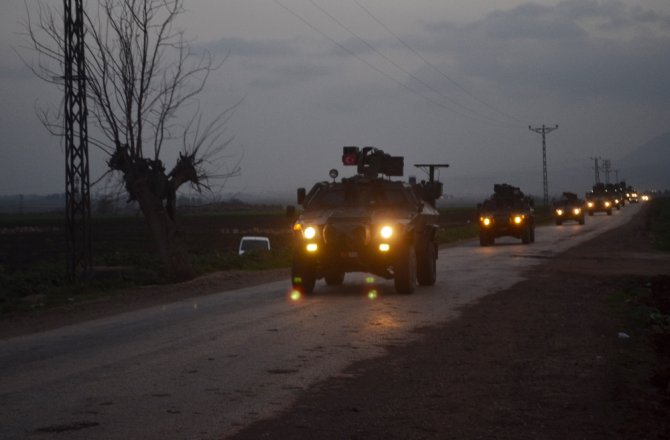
x,y
542,360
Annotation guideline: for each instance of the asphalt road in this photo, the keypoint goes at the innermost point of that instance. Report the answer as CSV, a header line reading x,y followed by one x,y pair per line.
x,y
205,367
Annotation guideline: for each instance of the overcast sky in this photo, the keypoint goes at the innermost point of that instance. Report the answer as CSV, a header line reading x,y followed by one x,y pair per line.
x,y
436,81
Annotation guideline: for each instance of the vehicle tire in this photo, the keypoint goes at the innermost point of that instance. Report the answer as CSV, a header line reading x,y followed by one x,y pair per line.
x,y
582,221
426,264
334,277
525,238
609,211
590,213
532,234
303,275
559,222
485,239
404,270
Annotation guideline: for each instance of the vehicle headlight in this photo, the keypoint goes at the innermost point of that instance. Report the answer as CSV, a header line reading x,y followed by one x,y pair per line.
x,y
386,232
590,204
518,219
577,211
309,232
559,211
607,204
486,221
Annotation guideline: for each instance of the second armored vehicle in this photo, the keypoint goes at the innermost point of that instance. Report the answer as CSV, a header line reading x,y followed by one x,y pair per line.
x,y
569,207
508,212
367,223
599,200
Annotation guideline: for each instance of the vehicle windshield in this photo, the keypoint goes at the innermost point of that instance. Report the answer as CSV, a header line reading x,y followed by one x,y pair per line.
x,y
254,245
359,196
504,203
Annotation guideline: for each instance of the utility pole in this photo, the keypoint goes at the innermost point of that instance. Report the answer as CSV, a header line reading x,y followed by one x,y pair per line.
x,y
544,131
77,187
607,167
596,169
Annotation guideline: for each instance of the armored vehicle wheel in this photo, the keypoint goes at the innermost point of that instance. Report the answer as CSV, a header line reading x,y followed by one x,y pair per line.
x,y
581,220
525,238
334,277
426,269
303,275
404,270
559,222
609,211
532,234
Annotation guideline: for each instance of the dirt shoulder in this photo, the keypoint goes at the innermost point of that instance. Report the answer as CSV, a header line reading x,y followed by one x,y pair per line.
x,y
541,360
134,299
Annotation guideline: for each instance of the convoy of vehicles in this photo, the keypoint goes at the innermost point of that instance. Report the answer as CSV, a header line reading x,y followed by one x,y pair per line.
x,y
388,228
367,223
568,207
507,212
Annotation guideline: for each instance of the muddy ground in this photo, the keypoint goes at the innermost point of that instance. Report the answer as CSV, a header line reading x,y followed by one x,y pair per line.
x,y
545,359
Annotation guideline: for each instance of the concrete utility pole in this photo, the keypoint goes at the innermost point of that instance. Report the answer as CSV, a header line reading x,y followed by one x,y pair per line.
x,y
77,187
544,130
596,169
607,168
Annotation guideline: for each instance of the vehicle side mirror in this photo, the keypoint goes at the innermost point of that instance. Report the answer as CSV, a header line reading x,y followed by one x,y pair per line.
x,y
301,195
290,211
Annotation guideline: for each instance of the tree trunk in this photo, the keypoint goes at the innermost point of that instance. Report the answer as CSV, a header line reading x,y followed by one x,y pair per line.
x,y
166,234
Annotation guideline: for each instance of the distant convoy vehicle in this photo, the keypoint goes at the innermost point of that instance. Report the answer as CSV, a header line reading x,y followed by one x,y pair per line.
x,y
568,207
367,223
508,212
599,200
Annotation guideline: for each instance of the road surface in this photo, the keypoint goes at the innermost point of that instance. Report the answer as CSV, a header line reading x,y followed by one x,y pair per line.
x,y
205,367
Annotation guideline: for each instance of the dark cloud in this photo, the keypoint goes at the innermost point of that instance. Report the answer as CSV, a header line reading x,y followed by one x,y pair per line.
x,y
562,49
254,48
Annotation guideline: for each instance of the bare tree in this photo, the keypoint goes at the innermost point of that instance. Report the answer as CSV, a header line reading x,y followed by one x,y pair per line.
x,y
140,73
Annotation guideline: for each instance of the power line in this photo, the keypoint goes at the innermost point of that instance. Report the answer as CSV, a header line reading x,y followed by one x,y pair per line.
x,y
434,67
402,69
372,66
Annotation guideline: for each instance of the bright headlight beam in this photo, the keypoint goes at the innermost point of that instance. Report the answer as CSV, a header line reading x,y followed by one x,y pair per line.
x,y
309,232
386,232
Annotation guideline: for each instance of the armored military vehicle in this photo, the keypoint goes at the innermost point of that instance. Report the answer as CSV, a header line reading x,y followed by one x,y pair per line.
x,y
599,200
508,212
367,223
569,207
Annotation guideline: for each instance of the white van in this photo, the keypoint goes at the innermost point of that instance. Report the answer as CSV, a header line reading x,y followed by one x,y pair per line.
x,y
251,243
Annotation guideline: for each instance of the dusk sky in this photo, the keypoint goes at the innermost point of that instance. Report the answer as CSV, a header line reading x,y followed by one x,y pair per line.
x,y
435,81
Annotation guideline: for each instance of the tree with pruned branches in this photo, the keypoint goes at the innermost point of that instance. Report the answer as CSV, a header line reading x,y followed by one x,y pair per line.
x,y
141,74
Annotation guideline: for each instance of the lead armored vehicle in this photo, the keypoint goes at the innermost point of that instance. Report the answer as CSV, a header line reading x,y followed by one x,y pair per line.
x,y
367,223
569,207
508,212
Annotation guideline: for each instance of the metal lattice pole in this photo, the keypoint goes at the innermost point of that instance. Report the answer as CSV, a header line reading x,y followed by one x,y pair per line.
x,y
544,131
77,188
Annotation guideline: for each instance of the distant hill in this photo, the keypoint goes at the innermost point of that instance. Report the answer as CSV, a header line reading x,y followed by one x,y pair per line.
x,y
648,166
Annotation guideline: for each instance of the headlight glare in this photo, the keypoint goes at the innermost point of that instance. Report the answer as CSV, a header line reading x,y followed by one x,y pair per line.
x,y
559,211
309,232
386,232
